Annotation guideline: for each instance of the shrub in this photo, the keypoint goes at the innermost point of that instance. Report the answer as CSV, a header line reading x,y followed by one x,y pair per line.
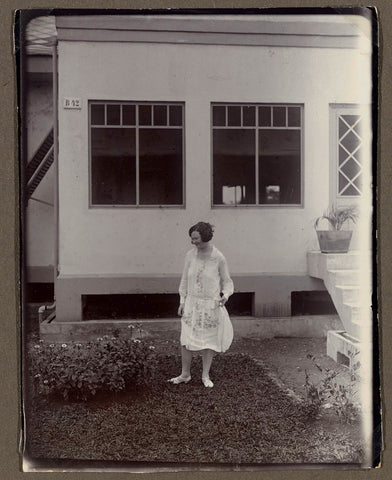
x,y
330,394
81,370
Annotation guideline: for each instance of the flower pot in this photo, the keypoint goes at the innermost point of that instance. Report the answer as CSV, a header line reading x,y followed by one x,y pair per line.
x,y
334,241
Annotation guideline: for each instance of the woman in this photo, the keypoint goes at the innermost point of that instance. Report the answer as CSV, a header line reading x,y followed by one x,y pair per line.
x,y
205,324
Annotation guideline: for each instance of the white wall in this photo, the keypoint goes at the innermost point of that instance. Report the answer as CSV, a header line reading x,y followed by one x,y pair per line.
x,y
148,241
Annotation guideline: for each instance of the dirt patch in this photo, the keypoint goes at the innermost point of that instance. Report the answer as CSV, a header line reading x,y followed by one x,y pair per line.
x,y
289,359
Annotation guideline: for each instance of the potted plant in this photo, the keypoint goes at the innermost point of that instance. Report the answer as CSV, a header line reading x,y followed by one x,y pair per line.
x,y
336,240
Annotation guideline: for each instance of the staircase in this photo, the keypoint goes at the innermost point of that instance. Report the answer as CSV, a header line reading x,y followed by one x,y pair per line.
x,y
348,279
39,164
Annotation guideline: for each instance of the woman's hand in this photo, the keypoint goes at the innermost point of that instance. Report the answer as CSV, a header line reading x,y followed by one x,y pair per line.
x,y
181,310
222,301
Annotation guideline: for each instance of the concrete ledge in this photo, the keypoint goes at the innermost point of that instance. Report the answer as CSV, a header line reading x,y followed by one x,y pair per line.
x,y
78,331
319,263
304,326
339,343
350,352
313,326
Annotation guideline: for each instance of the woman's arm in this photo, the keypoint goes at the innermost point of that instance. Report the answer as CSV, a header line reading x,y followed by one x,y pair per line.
x,y
183,288
227,285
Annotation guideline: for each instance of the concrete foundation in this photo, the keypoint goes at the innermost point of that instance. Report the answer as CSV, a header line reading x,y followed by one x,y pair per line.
x,y
272,293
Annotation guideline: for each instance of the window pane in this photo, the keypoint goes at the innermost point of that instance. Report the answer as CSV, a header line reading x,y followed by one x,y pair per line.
x,y
279,116
264,116
144,114
234,166
344,155
280,166
97,114
351,142
160,115
351,168
160,164
343,182
249,116
347,189
358,183
294,116
351,191
351,120
350,174
219,115
113,114
175,115
234,116
113,166
129,114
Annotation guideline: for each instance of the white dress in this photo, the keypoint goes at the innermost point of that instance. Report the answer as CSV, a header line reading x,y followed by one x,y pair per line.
x,y
204,323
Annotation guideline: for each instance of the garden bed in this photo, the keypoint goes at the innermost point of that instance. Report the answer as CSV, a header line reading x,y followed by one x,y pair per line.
x,y
246,418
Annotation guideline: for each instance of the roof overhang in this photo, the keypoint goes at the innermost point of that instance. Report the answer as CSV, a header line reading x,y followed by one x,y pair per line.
x,y
317,31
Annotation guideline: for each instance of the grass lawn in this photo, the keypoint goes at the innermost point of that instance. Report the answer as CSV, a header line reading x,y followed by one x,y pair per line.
x,y
246,418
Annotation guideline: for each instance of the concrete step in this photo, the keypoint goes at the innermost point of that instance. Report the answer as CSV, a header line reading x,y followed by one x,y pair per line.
x,y
350,277
358,295
319,263
343,261
350,316
358,320
360,315
348,293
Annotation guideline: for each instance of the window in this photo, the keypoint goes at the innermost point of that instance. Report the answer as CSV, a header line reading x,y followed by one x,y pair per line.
x,y
136,153
257,154
350,149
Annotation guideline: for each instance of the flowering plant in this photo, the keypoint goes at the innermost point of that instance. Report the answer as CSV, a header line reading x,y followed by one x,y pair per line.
x,y
81,370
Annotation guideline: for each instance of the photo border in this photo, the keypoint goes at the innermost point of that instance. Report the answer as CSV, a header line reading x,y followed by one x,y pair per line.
x,y
10,294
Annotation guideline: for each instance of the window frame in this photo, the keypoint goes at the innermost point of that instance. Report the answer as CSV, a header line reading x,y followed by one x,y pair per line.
x,y
137,126
341,111
256,128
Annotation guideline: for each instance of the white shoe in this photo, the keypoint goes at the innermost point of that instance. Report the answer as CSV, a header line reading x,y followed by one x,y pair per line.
x,y
207,382
180,379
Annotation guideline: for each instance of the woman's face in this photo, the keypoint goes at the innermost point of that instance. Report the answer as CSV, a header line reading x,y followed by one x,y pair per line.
x,y
196,239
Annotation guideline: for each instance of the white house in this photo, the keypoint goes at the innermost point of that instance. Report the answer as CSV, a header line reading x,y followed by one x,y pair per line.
x,y
255,123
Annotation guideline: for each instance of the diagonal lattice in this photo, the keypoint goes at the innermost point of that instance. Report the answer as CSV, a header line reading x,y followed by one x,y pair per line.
x,y
350,149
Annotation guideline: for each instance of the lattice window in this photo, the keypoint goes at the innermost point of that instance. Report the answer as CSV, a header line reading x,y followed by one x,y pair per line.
x,y
350,165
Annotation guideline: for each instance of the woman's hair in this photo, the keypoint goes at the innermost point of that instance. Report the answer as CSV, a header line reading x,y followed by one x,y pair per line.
x,y
205,229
